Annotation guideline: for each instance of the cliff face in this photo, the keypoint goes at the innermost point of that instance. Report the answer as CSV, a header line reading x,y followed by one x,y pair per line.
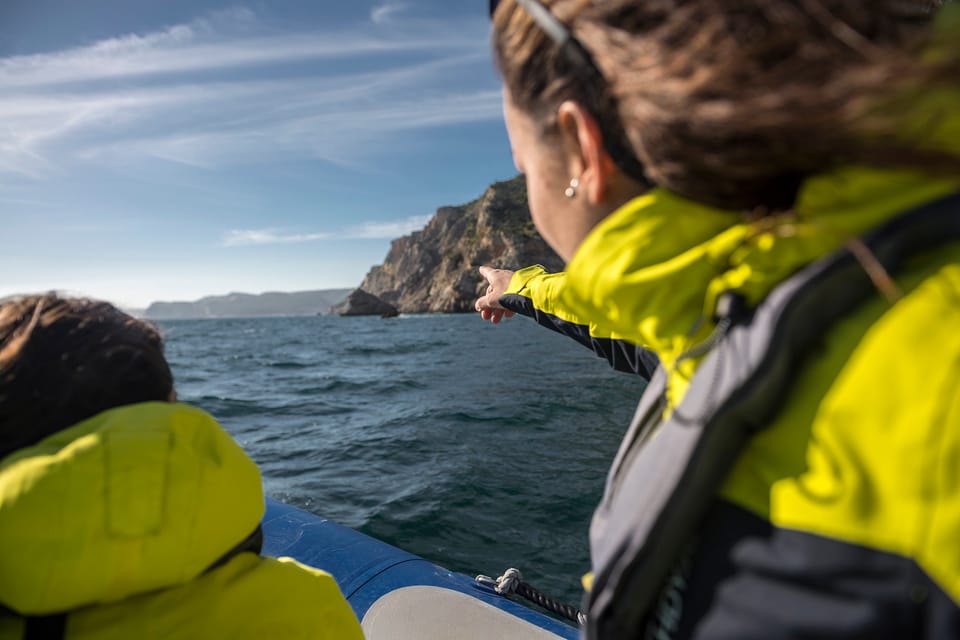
x,y
435,270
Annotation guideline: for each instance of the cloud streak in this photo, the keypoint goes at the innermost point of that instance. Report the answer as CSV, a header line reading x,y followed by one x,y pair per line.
x,y
365,231
388,230
253,237
211,93
385,12
204,46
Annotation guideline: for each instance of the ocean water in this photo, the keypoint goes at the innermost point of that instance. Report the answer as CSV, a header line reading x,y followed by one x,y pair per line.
x,y
478,447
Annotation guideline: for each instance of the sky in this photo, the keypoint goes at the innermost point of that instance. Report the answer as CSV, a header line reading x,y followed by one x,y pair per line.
x,y
171,150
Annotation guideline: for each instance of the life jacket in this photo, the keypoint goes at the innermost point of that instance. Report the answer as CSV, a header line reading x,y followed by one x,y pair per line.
x,y
137,523
668,469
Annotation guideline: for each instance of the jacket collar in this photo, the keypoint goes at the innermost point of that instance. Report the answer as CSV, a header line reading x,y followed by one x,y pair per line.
x,y
653,270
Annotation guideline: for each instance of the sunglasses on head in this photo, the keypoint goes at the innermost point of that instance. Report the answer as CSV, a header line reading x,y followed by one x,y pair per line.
x,y
622,156
554,29
544,19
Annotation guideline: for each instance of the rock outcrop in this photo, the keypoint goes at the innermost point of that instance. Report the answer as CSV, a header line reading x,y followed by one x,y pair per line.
x,y
361,303
435,270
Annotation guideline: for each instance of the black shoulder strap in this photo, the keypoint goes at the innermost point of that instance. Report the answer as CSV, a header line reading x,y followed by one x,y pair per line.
x,y
47,627
52,627
252,543
657,493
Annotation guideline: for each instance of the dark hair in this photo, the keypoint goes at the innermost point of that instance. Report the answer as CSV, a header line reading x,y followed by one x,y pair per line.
x,y
735,103
550,75
63,360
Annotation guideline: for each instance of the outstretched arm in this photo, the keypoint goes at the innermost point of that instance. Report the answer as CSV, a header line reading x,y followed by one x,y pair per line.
x,y
535,293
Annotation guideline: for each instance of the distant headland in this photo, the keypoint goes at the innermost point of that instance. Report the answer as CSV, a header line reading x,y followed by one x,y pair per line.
x,y
249,305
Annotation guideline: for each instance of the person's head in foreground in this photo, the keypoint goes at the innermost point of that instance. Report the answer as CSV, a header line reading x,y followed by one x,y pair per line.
x,y
775,133
730,104
122,513
63,360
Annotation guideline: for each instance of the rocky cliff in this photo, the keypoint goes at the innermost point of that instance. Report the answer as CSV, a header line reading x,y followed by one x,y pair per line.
x,y
435,269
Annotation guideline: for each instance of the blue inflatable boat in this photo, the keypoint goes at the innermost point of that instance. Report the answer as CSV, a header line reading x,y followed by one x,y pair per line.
x,y
397,595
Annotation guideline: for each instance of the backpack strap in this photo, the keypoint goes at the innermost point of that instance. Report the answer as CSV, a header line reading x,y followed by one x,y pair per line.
x,y
46,627
666,474
52,627
252,543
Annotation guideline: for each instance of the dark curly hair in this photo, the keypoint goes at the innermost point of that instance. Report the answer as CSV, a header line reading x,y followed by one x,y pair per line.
x,y
735,102
63,360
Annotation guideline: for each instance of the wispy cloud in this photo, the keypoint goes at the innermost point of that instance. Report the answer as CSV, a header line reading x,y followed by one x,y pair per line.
x,y
204,45
365,231
247,237
225,90
385,12
395,229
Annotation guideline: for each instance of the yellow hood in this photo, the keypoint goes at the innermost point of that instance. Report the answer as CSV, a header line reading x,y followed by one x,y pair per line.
x,y
652,270
132,500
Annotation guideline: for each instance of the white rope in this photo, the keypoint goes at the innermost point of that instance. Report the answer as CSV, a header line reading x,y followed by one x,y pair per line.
x,y
507,583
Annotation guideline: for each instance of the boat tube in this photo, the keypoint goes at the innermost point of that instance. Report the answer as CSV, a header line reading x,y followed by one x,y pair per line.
x,y
398,595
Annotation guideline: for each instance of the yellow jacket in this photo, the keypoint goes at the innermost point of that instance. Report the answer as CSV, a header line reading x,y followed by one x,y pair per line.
x,y
855,477
117,519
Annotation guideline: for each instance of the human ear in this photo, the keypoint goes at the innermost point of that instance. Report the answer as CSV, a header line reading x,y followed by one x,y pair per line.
x,y
586,157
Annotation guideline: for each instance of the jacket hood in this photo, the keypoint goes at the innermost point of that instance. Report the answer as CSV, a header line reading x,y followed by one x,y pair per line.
x,y
135,499
653,269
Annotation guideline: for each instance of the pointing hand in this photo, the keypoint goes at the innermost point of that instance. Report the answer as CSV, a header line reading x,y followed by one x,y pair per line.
x,y
489,305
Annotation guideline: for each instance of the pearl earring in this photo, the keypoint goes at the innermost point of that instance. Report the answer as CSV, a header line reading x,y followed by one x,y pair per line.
x,y
571,191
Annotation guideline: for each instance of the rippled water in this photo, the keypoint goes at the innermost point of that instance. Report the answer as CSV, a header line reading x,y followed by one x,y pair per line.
x,y
476,446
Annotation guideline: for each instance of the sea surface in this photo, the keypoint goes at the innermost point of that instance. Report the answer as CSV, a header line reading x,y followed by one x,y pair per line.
x,y
478,447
